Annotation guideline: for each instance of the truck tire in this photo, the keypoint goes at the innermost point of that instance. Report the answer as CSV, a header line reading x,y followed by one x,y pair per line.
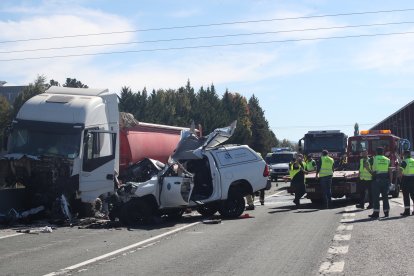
x,y
207,210
233,206
134,211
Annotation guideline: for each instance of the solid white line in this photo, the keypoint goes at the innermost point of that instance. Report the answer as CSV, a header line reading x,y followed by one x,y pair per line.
x,y
11,235
126,248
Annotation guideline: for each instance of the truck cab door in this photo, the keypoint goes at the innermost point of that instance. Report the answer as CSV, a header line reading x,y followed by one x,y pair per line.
x,y
98,166
175,191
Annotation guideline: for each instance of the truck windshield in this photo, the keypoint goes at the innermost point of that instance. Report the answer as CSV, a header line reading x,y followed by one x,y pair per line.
x,y
45,139
359,146
331,143
279,158
380,143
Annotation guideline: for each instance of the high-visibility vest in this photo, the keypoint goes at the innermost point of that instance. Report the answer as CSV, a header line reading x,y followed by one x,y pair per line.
x,y
363,172
326,166
310,165
409,168
381,164
293,171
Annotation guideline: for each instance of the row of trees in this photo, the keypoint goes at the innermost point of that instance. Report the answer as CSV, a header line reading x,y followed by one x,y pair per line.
x,y
206,108
177,107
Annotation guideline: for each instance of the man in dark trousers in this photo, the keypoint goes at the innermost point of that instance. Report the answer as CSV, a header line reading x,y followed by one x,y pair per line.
x,y
365,180
297,176
407,170
383,177
325,173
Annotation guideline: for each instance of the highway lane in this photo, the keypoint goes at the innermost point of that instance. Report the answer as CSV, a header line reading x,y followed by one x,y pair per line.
x,y
278,240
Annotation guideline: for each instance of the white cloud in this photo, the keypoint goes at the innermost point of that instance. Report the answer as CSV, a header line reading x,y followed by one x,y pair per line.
x,y
388,54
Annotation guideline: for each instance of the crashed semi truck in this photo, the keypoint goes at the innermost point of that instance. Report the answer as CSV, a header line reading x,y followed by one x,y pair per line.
x,y
67,146
345,177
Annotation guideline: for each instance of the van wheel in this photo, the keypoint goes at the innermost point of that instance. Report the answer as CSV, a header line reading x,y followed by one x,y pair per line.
x,y
233,207
207,210
134,211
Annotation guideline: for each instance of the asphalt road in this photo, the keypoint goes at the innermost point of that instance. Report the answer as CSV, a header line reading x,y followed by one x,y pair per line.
x,y
276,240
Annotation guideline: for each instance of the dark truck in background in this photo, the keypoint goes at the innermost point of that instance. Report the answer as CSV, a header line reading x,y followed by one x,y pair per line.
x,y
344,182
346,153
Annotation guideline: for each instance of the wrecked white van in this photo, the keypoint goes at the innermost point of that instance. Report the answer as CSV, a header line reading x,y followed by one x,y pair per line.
x,y
203,174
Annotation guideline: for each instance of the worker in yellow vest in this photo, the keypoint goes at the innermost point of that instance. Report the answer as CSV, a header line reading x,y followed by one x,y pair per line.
x,y
297,176
325,172
407,170
310,164
365,180
383,177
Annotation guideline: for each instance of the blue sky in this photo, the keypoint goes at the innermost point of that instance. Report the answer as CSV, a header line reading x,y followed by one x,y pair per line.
x,y
302,85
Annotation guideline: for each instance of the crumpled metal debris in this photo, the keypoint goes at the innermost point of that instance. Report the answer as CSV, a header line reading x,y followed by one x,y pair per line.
x,y
46,229
13,215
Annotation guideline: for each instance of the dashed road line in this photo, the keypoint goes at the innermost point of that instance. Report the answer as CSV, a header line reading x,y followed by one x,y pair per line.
x,y
340,237
336,250
334,260
344,228
331,267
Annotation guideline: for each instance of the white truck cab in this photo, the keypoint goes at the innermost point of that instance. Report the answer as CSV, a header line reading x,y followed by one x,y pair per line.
x,y
64,142
204,174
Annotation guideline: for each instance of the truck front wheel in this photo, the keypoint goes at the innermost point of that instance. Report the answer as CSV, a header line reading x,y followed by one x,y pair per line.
x,y
233,207
134,211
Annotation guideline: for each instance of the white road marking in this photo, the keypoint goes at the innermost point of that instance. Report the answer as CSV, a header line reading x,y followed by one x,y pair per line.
x,y
350,209
347,220
340,237
272,195
397,203
338,249
348,214
343,227
334,267
11,235
121,250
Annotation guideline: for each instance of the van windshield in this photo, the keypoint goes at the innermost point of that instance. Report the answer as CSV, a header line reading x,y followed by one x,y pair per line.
x,y
45,139
279,158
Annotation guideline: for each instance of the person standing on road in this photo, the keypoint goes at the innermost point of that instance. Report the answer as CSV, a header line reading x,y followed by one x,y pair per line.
x,y
365,180
407,170
250,200
297,176
383,177
310,164
325,172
